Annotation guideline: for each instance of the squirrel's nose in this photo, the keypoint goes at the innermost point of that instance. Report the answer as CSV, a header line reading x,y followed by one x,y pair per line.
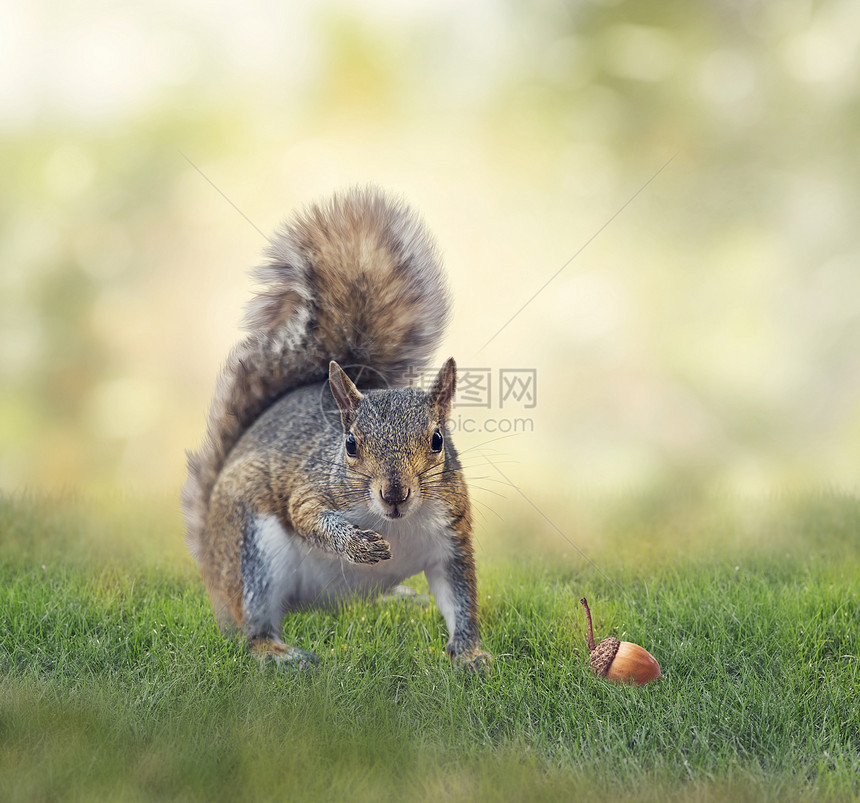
x,y
394,495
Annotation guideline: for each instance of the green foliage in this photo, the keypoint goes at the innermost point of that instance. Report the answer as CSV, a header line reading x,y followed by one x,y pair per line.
x,y
115,684
711,329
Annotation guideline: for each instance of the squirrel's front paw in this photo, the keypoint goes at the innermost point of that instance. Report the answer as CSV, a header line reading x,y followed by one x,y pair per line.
x,y
366,546
476,661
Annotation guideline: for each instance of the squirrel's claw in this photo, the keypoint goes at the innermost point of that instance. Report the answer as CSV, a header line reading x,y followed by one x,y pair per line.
x,y
477,662
366,546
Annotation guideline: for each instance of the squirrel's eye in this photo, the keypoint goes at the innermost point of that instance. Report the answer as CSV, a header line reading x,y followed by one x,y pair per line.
x,y
436,441
351,445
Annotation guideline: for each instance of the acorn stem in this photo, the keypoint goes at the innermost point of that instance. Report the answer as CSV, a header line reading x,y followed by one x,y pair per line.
x,y
590,629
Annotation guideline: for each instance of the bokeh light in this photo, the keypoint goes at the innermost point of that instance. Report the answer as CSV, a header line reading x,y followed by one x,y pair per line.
x,y
710,334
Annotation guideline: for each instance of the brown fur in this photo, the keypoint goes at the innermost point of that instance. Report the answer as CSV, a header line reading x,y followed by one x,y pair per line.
x,y
294,470
361,252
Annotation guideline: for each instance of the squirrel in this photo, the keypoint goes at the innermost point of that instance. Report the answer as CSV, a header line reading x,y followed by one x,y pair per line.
x,y
307,490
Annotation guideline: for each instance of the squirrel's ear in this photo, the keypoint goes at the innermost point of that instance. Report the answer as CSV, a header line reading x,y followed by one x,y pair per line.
x,y
442,392
345,393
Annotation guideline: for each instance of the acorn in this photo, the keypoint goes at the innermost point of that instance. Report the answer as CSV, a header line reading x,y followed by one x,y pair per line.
x,y
620,661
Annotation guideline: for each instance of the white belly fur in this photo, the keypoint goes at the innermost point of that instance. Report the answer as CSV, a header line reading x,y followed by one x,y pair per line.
x,y
305,576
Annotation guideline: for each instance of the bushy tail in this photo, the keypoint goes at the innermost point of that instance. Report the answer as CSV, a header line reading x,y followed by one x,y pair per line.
x,y
357,280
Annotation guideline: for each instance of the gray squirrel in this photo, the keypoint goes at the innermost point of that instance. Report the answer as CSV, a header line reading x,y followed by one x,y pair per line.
x,y
307,490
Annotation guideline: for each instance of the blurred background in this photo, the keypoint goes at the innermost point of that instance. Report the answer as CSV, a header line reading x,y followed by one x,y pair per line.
x,y
708,336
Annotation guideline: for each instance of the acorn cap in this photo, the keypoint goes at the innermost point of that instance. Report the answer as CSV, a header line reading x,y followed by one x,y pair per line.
x,y
603,655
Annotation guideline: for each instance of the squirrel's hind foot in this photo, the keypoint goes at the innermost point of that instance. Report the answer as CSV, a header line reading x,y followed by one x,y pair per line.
x,y
283,656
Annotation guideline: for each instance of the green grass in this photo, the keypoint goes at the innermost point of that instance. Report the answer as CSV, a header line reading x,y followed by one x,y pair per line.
x,y
115,684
